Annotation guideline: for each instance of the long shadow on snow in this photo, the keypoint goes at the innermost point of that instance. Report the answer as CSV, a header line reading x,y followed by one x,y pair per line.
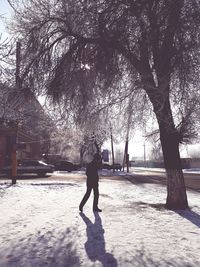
x,y
95,245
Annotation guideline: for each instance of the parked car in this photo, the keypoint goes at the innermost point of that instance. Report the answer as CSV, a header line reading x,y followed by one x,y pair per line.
x,y
106,166
116,166
64,165
31,166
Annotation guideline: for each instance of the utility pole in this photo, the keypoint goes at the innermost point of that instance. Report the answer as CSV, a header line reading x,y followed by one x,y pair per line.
x,y
144,154
112,149
126,156
14,138
18,63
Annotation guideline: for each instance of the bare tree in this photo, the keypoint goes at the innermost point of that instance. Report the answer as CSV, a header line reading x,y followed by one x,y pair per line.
x,y
7,56
86,50
6,60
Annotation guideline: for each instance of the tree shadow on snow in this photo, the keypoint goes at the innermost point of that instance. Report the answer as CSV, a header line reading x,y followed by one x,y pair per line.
x,y
144,258
147,179
95,245
190,216
51,249
144,205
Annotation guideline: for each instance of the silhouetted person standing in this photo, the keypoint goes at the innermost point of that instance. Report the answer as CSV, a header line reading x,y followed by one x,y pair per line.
x,y
92,183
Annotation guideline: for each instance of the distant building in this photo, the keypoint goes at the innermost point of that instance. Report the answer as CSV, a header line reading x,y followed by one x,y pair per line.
x,y
8,133
23,124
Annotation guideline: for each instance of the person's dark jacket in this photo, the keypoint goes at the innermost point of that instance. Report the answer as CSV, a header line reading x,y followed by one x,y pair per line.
x,y
92,173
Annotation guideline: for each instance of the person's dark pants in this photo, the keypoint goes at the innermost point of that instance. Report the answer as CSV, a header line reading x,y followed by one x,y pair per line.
x,y
95,188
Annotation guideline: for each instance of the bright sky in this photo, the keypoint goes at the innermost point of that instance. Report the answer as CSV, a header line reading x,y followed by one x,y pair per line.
x,y
5,13
135,148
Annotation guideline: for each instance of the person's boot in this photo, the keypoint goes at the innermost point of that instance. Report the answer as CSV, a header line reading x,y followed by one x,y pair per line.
x,y
80,208
97,209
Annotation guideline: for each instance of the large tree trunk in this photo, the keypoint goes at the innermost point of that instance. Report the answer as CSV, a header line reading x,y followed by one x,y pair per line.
x,y
176,191
170,139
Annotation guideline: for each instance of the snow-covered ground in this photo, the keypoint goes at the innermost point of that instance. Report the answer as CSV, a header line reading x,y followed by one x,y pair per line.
x,y
191,170
40,225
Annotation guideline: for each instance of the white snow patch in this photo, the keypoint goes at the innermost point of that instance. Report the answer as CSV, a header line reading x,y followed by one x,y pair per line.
x,y
41,226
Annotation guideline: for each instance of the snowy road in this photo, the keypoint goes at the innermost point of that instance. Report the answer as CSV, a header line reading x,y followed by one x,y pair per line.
x,y
41,226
